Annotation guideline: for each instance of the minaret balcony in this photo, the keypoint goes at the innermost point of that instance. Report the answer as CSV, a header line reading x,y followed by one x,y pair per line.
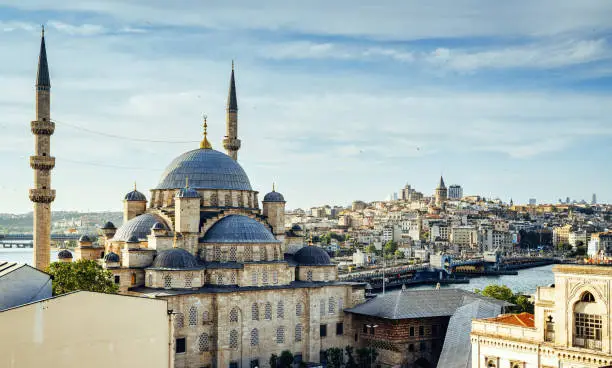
x,y
42,127
42,162
42,195
231,143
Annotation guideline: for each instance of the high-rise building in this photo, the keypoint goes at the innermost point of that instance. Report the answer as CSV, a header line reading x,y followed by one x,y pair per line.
x,y
594,199
42,162
532,201
455,191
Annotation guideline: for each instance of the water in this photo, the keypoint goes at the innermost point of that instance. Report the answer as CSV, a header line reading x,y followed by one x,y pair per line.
x,y
22,255
525,282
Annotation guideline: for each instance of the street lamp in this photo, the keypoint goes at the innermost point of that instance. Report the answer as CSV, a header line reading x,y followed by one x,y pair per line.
x,y
371,328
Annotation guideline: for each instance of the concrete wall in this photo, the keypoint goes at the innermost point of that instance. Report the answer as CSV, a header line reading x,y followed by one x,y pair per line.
x,y
85,329
23,285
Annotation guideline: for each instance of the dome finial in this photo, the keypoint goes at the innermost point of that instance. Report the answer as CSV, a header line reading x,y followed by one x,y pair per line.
x,y
205,144
134,185
273,186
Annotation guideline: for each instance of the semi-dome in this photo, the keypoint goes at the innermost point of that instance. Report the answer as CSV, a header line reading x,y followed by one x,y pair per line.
x,y
135,195
140,226
158,226
108,225
111,257
134,239
238,229
176,259
274,196
312,256
205,169
187,192
64,254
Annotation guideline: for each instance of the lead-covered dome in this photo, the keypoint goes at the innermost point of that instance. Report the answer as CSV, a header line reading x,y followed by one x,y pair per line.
x,y
175,259
205,169
140,226
135,195
274,196
64,254
238,229
312,256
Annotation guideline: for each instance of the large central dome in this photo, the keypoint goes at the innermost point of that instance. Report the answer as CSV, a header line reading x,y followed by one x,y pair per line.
x,y
206,169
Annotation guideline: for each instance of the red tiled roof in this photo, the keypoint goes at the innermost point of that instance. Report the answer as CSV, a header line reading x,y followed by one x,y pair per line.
x,y
523,319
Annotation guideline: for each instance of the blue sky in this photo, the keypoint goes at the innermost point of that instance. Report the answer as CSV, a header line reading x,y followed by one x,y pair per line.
x,y
338,100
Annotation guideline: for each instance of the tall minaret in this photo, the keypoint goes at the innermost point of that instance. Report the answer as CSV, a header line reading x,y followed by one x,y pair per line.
x,y
42,195
231,143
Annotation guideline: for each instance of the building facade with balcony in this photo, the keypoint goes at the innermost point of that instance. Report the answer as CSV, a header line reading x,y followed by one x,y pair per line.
x,y
570,327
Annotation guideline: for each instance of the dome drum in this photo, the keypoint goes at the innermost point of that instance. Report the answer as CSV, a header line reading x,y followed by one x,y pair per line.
x,y
209,198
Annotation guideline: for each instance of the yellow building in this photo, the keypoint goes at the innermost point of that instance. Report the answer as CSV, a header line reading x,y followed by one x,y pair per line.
x,y
85,329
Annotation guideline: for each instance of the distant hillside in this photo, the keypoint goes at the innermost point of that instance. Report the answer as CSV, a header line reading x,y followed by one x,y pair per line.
x,y
62,221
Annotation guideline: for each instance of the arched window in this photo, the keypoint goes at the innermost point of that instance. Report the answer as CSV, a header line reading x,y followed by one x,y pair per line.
x,y
233,316
150,280
213,200
254,337
491,362
254,312
188,278
332,305
133,279
233,278
275,253
340,304
275,277
167,281
254,278
217,253
203,343
232,253
299,309
233,339
219,279
280,310
264,277
263,253
309,275
193,316
205,316
587,297
280,335
248,254
298,332
179,320
322,307
326,275
268,311
228,200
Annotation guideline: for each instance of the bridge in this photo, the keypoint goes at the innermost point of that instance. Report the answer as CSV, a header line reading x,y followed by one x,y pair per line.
x,y
496,266
26,240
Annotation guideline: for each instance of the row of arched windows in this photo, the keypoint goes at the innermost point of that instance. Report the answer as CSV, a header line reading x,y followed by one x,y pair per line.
x,y
264,278
255,316
192,317
254,337
230,254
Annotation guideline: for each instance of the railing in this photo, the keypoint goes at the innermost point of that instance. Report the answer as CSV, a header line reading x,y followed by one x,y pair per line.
x,y
591,344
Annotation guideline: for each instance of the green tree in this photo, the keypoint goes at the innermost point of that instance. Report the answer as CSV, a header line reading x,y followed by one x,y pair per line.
x,y
371,249
566,247
398,254
366,357
502,292
350,359
390,247
273,361
335,357
285,360
83,274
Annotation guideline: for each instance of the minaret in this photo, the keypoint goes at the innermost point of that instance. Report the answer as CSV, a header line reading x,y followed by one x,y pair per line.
x,y
42,195
231,143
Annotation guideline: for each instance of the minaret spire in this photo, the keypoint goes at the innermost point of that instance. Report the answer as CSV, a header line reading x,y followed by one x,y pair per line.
x,y
231,143
42,162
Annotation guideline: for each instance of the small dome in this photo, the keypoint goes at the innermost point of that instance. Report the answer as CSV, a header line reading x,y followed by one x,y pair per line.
x,y
140,226
111,257
133,239
238,229
108,226
64,254
274,196
84,239
187,193
312,256
158,226
135,196
175,258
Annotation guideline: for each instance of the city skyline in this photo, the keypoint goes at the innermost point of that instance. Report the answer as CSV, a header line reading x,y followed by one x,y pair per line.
x,y
359,108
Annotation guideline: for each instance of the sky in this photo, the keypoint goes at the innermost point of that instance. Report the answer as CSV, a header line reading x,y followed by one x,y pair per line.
x,y
338,101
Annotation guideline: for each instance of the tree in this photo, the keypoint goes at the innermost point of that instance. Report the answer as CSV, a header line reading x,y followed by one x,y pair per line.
x,y
398,254
83,274
366,357
502,292
390,247
371,249
350,359
335,357
273,361
566,247
285,360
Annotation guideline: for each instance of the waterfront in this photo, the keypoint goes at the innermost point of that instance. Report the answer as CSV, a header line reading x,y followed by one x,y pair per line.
x,y
22,255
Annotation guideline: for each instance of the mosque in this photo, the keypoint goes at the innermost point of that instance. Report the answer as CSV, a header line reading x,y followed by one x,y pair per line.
x,y
239,286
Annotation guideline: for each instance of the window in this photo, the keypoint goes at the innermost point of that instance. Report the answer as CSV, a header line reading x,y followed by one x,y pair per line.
x,y
117,279
254,278
167,281
188,278
340,304
248,254
587,331
326,275
254,312
365,329
233,339
275,253
421,330
298,332
204,316
491,362
340,328
203,343
323,330
233,365
150,280
263,253
372,330
180,345
133,279
411,330
280,335
264,277
193,316
217,254
233,316
219,279
332,305
232,254
254,362
587,297
280,310
275,277
309,275
268,311
423,346
298,309
179,320
411,347
322,307
233,278
254,337
514,364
